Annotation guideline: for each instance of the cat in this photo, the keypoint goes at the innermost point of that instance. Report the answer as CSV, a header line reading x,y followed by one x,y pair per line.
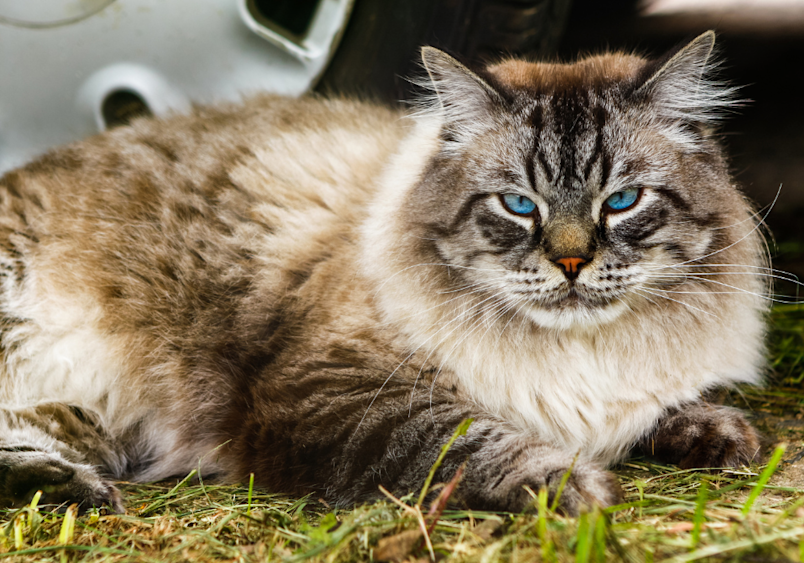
x,y
318,291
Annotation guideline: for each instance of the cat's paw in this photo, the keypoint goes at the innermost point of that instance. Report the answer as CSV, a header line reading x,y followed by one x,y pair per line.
x,y
704,436
588,484
62,482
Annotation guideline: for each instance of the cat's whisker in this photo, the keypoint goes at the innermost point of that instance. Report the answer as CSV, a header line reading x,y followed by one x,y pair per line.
x,y
647,298
408,357
431,264
711,265
478,288
479,291
479,317
776,276
711,277
467,333
479,284
757,226
751,270
765,297
687,305
521,305
703,281
457,320
753,215
472,329
774,297
735,290
657,274
698,278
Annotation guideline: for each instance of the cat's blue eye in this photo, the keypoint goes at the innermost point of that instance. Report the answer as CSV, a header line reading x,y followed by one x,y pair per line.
x,y
622,200
518,204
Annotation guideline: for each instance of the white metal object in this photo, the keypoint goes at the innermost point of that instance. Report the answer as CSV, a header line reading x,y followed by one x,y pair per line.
x,y
62,58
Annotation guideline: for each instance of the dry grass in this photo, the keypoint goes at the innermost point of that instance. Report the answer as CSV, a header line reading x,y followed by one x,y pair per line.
x,y
753,514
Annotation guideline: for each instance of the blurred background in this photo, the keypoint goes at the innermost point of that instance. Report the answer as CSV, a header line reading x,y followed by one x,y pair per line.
x,y
74,67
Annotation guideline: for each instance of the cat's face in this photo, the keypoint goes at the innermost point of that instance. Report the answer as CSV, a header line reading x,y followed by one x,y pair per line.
x,y
570,194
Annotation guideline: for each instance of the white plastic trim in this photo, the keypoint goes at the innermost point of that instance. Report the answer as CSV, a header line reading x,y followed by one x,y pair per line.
x,y
160,96
318,44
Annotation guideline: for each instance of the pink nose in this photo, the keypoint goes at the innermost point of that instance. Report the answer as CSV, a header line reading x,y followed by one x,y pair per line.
x,y
571,265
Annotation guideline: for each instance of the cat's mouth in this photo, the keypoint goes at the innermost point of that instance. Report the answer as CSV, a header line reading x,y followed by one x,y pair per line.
x,y
577,305
575,301
572,296
577,309
577,296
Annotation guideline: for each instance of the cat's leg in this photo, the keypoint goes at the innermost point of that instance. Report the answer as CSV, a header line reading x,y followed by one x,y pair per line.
x,y
500,462
344,439
60,450
703,435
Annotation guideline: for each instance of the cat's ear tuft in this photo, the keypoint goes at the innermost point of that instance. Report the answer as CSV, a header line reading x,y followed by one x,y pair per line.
x,y
682,86
463,99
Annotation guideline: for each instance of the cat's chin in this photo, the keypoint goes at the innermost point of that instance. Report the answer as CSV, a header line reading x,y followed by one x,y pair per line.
x,y
574,315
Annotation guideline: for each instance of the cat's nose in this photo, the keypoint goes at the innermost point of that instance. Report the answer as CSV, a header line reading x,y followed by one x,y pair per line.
x,y
571,265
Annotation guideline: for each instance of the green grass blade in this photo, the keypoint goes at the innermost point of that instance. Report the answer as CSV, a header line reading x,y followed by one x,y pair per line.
x,y
563,483
250,491
35,500
600,538
541,523
641,489
460,431
165,499
698,518
583,545
548,553
764,477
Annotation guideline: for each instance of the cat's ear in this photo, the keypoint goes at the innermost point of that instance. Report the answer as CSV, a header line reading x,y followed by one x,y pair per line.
x,y
465,101
681,86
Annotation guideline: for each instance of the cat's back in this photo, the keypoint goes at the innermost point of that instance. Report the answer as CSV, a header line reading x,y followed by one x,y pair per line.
x,y
283,141
234,175
152,236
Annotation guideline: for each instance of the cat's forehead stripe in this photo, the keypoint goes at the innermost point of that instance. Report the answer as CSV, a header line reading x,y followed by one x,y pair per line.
x,y
576,128
567,108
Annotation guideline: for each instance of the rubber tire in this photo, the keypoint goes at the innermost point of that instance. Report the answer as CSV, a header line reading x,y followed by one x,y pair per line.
x,y
379,51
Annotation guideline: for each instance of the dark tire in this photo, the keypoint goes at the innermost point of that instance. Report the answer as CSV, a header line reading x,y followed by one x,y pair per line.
x,y
379,51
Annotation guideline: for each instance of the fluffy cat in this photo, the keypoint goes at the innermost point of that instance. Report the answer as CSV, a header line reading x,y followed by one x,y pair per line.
x,y
319,291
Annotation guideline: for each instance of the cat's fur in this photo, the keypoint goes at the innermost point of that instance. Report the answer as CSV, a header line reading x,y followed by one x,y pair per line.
x,y
319,291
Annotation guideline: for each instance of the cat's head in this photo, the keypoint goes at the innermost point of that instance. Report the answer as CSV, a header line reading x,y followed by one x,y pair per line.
x,y
572,192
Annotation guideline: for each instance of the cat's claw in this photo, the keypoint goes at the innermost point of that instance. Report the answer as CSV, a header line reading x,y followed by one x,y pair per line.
x,y
62,482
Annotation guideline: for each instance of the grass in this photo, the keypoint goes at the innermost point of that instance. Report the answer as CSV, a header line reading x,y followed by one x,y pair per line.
x,y
753,514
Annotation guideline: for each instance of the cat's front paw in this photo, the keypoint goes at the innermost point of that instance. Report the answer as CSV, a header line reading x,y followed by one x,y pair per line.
x,y
702,435
588,485
62,482
544,467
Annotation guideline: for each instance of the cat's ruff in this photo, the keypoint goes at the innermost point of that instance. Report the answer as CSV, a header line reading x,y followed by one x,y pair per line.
x,y
318,291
